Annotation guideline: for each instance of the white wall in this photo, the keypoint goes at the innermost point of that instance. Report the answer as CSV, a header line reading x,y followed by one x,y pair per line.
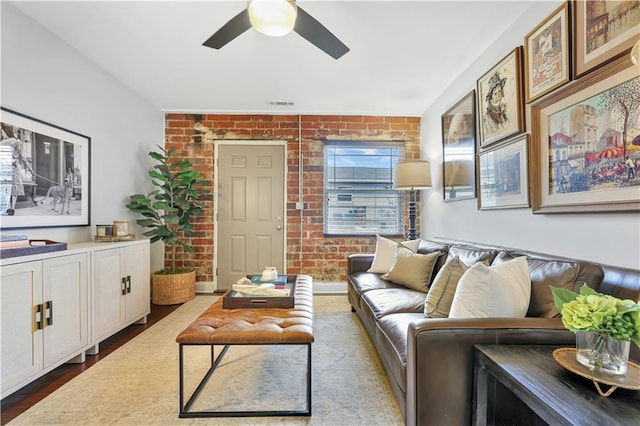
x,y
612,238
47,79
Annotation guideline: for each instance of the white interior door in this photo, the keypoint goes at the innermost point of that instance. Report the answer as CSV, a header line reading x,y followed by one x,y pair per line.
x,y
250,217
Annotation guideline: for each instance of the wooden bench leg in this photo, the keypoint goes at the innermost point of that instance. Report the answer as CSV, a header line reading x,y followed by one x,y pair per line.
x,y
185,408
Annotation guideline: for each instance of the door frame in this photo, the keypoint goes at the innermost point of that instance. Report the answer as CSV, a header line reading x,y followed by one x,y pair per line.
x,y
246,142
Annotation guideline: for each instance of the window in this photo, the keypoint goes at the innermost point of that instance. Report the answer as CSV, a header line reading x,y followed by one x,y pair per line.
x,y
358,188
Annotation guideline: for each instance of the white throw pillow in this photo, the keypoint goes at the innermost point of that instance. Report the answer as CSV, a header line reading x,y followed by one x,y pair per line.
x,y
499,291
411,269
385,253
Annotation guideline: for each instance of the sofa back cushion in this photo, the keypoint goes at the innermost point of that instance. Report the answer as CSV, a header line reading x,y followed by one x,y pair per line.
x,y
428,246
470,254
557,272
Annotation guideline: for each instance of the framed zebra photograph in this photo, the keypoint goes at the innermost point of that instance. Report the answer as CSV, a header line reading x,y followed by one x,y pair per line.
x,y
44,174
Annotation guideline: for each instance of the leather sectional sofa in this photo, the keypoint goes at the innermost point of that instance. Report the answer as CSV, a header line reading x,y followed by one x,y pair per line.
x,y
429,361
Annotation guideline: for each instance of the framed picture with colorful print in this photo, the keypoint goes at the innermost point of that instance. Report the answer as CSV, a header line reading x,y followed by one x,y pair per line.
x,y
586,144
603,30
546,54
504,175
458,149
500,100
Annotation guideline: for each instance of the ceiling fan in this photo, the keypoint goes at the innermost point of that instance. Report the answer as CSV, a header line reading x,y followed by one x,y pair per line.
x,y
276,18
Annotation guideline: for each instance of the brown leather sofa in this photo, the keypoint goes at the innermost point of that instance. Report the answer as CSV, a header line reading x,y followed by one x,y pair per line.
x,y
429,361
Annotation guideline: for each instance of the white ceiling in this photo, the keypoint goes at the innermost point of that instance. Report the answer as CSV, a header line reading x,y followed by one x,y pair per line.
x,y
403,53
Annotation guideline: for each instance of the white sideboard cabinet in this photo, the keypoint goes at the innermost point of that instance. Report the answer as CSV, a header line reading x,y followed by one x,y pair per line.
x,y
121,288
45,318
56,307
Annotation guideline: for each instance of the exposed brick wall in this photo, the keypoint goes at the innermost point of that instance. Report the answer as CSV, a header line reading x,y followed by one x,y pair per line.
x,y
323,258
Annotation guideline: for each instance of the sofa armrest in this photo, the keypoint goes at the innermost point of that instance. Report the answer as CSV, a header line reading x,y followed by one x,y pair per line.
x,y
359,262
440,359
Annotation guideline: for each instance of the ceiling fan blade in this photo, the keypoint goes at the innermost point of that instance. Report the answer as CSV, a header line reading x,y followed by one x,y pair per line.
x,y
317,34
232,29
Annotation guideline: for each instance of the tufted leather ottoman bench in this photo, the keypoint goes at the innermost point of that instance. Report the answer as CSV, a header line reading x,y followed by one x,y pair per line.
x,y
244,326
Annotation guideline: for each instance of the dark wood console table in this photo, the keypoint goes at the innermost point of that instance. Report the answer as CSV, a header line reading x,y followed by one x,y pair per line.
x,y
525,385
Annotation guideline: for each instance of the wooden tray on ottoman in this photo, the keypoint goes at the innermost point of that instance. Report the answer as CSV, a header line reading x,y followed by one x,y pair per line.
x,y
233,300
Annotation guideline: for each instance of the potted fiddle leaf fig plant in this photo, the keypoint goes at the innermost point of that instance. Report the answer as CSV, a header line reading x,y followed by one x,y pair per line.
x,y
166,212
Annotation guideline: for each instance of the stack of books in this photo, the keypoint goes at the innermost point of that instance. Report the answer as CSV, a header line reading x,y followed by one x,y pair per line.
x,y
13,241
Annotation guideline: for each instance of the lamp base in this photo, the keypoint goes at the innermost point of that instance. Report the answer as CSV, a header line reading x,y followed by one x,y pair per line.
x,y
412,234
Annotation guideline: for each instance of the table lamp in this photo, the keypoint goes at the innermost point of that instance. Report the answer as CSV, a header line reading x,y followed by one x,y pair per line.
x,y
411,176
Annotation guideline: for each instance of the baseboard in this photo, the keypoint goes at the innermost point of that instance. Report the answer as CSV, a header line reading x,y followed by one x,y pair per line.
x,y
322,287
208,287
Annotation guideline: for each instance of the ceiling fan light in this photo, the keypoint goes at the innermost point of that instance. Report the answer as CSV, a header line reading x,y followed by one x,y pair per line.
x,y
272,17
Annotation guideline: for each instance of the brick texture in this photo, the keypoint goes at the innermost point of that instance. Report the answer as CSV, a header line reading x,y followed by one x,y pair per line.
x,y
324,258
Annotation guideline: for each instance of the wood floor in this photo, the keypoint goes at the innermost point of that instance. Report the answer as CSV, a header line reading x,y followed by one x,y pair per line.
x,y
18,402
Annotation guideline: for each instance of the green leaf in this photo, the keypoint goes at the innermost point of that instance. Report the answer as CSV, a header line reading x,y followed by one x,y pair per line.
x,y
139,198
163,231
159,176
172,220
625,306
161,205
585,290
183,204
156,156
146,222
562,296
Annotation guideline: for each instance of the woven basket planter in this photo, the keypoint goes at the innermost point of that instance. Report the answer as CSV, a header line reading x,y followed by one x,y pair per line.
x,y
173,289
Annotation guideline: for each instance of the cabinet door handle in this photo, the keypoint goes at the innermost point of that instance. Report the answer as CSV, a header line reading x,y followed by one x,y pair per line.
x,y
128,283
123,283
48,306
37,317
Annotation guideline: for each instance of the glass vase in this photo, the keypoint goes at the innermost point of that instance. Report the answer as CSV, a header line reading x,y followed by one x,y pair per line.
x,y
601,353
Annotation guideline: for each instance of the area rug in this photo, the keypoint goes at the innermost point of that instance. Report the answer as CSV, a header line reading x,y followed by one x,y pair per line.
x,y
138,383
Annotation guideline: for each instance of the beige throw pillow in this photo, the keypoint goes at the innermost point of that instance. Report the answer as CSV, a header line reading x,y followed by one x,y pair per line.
x,y
499,291
443,288
385,253
411,269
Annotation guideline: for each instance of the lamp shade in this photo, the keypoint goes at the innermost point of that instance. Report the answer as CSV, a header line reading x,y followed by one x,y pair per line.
x,y
273,17
458,173
411,175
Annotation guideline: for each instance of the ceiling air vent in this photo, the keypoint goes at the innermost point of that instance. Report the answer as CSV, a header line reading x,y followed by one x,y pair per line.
x,y
280,103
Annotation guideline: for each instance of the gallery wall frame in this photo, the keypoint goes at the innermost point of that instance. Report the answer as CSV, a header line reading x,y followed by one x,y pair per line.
x,y
500,100
581,144
547,55
44,174
503,175
603,31
458,150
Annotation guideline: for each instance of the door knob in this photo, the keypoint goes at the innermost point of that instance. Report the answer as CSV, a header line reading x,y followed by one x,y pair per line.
x,y
278,227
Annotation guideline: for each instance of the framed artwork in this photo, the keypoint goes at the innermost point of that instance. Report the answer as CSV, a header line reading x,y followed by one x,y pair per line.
x,y
44,174
500,104
504,175
546,54
603,30
458,150
586,155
